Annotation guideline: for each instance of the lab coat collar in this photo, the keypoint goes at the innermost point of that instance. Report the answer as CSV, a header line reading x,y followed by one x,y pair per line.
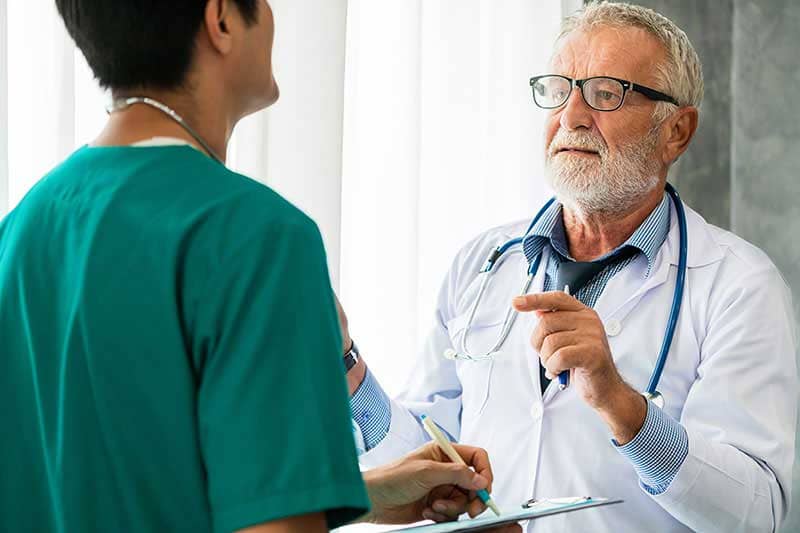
x,y
618,298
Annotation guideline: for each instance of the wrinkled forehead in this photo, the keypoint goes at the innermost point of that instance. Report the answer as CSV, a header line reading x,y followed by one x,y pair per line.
x,y
628,53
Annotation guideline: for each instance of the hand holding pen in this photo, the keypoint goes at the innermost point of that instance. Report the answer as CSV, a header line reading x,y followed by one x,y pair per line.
x,y
444,443
570,337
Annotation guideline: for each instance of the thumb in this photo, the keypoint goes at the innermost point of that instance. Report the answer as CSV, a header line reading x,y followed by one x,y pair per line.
x,y
436,474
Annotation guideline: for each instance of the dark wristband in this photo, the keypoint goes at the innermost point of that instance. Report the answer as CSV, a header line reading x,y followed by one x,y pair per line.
x,y
351,357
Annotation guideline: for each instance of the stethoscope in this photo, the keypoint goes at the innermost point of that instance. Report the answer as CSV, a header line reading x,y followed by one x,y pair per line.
x,y
125,103
651,393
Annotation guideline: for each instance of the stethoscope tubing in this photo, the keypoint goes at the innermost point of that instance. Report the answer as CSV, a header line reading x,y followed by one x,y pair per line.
x,y
677,298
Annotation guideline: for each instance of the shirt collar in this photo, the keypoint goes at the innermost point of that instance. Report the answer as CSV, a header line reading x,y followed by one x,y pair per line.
x,y
647,238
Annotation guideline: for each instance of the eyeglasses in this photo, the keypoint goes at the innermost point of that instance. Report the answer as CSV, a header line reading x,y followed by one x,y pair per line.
x,y
602,93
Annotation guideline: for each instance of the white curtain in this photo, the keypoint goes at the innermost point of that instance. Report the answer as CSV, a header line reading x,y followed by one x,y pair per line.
x,y
3,108
296,145
49,96
405,127
442,141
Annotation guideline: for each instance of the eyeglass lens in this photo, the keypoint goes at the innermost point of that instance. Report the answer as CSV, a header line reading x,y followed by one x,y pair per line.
x,y
603,94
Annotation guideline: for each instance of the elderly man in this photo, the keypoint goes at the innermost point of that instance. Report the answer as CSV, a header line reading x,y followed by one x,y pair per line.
x,y
713,450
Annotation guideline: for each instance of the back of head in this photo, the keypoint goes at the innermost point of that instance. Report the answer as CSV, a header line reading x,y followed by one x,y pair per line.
x,y
133,44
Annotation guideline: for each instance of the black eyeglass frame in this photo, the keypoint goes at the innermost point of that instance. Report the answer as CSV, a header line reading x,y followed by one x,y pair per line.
x,y
652,94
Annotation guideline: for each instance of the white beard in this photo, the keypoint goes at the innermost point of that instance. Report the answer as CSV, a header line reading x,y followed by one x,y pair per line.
x,y
604,185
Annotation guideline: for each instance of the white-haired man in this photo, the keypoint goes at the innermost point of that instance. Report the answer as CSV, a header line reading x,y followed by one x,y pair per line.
x,y
716,454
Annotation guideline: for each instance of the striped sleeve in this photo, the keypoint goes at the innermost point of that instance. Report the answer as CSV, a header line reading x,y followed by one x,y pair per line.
x,y
658,450
372,411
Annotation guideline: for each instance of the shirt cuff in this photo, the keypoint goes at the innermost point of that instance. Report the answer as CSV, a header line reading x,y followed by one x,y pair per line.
x,y
658,450
372,411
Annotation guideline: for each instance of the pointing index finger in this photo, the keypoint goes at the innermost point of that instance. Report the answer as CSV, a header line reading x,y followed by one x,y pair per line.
x,y
547,301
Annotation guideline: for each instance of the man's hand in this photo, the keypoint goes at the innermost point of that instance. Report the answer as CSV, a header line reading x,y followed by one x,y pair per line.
x,y
571,336
425,485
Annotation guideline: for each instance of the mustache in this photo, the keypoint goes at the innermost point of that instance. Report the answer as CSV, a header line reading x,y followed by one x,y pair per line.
x,y
580,140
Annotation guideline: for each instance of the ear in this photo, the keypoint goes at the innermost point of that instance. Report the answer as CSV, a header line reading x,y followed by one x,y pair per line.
x,y
679,130
217,24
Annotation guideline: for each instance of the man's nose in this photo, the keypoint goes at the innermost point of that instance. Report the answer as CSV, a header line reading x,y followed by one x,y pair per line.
x,y
576,113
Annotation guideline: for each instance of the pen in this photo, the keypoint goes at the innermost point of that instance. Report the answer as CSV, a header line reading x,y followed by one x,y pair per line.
x,y
437,435
563,378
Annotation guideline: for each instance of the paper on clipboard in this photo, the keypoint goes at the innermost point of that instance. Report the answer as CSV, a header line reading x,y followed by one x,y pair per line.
x,y
480,524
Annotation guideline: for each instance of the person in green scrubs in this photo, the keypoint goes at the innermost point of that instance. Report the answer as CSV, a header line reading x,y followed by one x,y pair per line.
x,y
170,353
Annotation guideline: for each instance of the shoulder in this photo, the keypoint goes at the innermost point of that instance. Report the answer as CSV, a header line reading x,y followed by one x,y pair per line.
x,y
237,215
713,249
253,204
259,202
741,275
742,259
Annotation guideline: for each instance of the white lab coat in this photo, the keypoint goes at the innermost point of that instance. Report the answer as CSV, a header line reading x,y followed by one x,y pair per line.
x,y
730,380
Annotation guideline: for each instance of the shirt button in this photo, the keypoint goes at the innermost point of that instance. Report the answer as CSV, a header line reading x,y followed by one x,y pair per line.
x,y
613,327
537,411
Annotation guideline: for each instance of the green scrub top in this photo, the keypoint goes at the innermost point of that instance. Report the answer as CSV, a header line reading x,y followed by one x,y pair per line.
x,y
170,353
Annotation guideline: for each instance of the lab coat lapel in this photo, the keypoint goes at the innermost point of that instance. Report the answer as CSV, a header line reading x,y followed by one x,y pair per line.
x,y
625,289
628,286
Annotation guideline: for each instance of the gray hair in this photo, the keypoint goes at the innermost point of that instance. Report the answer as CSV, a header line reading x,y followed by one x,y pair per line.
x,y
681,76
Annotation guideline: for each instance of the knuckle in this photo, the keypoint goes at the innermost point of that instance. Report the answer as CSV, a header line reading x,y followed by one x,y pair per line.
x,y
547,346
430,449
559,358
536,340
424,465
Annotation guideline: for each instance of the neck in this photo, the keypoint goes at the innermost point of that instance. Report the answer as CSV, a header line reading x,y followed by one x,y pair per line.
x,y
140,121
593,235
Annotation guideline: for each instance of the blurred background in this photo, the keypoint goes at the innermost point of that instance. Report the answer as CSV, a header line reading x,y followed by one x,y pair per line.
x,y
405,127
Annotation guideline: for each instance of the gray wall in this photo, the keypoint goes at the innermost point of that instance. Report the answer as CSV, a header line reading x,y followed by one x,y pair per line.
x,y
703,174
743,170
765,177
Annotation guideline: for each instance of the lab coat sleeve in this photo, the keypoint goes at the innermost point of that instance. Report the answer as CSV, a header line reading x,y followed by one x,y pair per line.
x,y
433,390
740,414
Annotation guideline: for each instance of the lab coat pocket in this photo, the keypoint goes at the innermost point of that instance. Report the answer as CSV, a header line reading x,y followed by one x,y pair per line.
x,y
475,376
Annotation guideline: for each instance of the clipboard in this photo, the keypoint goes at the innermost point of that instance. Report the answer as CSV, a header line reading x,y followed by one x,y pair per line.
x,y
481,524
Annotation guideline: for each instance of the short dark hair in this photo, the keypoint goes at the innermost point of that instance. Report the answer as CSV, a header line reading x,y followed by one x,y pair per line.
x,y
133,44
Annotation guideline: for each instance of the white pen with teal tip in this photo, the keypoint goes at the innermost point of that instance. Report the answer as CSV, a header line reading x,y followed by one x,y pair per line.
x,y
444,443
